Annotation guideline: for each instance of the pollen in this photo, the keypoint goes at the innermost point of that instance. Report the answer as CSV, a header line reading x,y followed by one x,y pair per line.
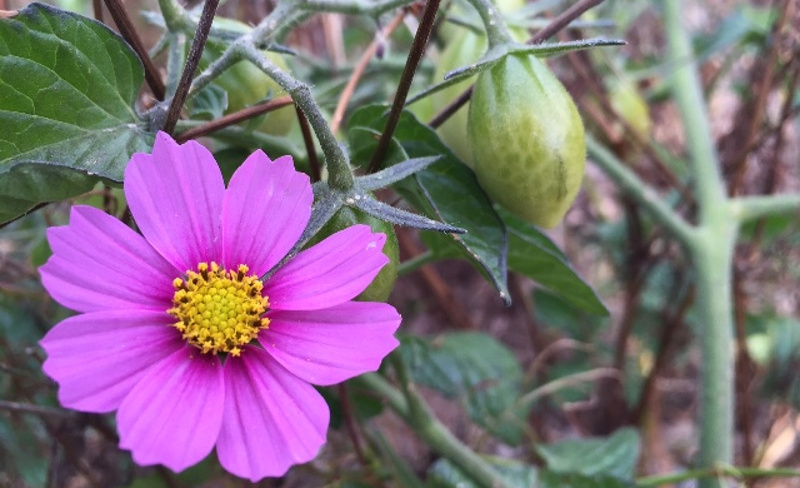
x,y
219,310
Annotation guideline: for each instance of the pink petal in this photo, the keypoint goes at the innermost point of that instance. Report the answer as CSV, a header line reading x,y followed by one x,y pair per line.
x,y
175,195
173,415
98,264
331,345
329,273
98,357
267,206
272,419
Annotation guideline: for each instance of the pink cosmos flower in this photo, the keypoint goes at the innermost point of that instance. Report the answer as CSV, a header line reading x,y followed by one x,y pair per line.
x,y
177,333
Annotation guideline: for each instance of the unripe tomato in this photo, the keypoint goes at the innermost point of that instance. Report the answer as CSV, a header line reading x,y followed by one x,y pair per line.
x,y
465,49
527,139
629,104
247,85
383,284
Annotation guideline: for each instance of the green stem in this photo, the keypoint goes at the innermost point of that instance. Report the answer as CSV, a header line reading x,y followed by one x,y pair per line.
x,y
418,415
732,471
415,263
238,135
712,255
340,175
354,7
176,18
639,191
688,93
751,208
496,30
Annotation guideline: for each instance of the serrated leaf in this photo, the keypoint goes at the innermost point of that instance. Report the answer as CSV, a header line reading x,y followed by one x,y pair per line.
x,y
614,456
475,369
444,474
446,191
68,86
533,254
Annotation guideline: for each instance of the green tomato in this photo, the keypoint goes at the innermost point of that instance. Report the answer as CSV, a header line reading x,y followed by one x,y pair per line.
x,y
247,85
465,49
527,139
383,284
629,104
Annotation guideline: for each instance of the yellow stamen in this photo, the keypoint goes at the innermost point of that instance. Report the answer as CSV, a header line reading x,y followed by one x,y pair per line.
x,y
219,310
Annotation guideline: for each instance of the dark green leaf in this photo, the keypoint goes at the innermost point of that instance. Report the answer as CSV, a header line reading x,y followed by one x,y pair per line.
x,y
614,456
475,369
532,254
68,87
554,479
446,191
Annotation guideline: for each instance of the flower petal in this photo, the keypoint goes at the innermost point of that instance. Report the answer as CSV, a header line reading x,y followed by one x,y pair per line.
x,y
98,264
175,195
267,206
97,358
173,414
272,419
331,345
329,273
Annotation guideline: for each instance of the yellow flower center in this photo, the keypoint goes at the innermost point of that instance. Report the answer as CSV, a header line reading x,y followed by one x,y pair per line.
x,y
219,310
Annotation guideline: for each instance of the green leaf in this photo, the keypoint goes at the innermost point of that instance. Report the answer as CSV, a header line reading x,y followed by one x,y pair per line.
x,y
476,369
68,86
613,456
533,254
555,479
444,474
446,191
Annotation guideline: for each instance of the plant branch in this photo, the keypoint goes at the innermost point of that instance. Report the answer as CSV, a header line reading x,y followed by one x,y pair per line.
x,y
432,431
497,32
33,409
340,174
640,191
239,135
745,209
311,151
688,93
353,7
730,471
120,16
358,72
192,61
414,56
234,118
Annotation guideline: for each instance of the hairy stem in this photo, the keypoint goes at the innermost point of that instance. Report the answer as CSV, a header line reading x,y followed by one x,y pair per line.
x,y
340,174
